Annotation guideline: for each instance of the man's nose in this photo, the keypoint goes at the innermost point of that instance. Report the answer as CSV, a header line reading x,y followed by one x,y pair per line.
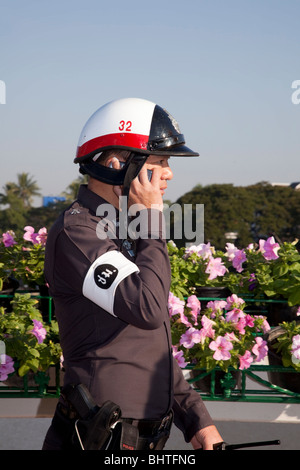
x,y
167,173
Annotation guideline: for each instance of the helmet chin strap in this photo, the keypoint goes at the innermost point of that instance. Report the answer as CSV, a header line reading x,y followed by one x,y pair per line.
x,y
113,176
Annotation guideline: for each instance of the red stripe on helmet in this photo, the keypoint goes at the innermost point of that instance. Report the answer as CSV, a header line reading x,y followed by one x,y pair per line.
x,y
136,141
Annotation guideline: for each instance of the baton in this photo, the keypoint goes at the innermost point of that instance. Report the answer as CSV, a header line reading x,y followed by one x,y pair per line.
x,y
225,446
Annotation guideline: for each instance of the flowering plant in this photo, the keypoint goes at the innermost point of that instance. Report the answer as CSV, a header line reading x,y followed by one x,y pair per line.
x,y
196,266
27,343
222,335
271,269
267,269
23,260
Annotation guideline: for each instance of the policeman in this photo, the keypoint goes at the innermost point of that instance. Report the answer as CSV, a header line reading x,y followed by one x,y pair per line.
x,y
110,290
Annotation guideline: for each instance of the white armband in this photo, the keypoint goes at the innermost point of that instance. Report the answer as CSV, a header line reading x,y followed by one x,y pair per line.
x,y
104,276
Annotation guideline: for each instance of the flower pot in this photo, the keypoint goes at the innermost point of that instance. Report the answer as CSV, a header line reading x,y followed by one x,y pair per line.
x,y
279,312
225,382
286,380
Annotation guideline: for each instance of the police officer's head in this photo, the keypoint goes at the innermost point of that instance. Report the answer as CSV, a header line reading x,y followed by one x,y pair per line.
x,y
135,127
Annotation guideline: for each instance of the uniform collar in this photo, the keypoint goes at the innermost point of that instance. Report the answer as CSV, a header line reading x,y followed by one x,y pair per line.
x,y
89,199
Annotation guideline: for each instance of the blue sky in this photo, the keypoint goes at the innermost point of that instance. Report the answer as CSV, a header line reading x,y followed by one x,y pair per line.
x,y
223,69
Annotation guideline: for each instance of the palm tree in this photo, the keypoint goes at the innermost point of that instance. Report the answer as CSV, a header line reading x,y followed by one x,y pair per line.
x,y
27,188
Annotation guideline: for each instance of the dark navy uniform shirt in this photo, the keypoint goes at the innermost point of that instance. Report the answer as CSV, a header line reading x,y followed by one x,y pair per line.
x,y
112,310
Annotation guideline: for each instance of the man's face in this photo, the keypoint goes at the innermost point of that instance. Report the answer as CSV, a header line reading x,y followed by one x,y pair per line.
x,y
161,164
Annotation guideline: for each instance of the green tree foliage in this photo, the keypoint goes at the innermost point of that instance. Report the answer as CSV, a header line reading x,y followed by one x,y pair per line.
x,y
256,211
17,199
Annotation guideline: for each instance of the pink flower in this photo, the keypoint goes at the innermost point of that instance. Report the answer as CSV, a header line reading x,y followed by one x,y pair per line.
x,y
231,249
221,347
260,349
6,367
249,321
238,257
240,325
234,302
205,250
179,357
190,338
234,315
269,248
231,337
42,236
238,260
29,234
245,360
39,331
175,305
216,305
238,318
194,304
296,346
8,239
207,325
35,238
215,268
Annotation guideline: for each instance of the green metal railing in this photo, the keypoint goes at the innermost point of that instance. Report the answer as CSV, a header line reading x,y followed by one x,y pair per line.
x,y
252,385
39,385
228,391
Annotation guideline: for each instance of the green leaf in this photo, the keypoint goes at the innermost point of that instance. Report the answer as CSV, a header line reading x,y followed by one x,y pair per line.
x,y
23,370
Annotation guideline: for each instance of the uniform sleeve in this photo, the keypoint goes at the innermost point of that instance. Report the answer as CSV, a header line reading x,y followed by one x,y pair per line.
x,y
142,297
135,291
190,413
